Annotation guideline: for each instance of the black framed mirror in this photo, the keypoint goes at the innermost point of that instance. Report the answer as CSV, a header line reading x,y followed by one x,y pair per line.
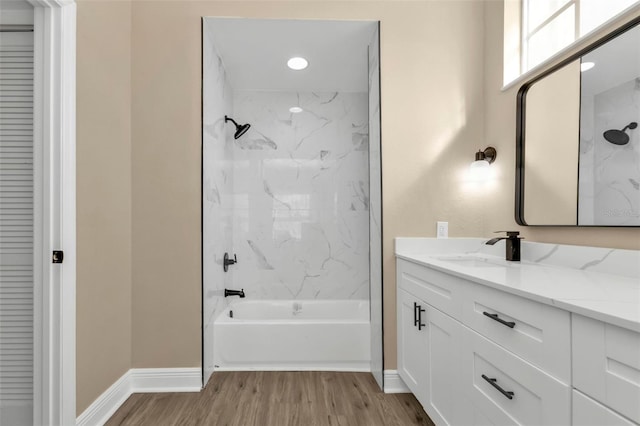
x,y
578,139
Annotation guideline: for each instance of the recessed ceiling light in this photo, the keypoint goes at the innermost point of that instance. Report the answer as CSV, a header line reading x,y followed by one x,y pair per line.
x,y
297,63
586,66
295,109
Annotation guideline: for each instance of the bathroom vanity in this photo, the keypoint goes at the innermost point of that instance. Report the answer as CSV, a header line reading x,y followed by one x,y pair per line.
x,y
553,339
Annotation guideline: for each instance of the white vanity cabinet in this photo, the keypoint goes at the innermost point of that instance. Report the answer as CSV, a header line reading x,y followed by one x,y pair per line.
x,y
468,364
551,340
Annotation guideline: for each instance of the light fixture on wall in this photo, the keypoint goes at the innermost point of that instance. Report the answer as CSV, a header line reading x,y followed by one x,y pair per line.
x,y
480,169
295,109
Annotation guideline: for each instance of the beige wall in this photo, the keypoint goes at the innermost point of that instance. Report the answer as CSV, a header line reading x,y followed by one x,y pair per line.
x,y
441,101
103,196
500,130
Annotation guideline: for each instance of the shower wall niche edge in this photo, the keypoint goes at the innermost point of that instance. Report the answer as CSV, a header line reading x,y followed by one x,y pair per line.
x,y
217,186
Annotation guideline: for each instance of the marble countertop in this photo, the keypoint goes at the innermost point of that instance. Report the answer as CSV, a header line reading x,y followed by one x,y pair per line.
x,y
610,294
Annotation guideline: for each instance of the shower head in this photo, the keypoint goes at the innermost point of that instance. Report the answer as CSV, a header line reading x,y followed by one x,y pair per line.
x,y
619,137
241,129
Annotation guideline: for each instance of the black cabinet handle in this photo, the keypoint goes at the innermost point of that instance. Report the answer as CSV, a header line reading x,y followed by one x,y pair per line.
x,y
493,383
420,311
417,316
495,317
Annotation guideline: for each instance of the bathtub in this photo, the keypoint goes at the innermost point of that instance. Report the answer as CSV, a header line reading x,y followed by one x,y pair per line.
x,y
288,335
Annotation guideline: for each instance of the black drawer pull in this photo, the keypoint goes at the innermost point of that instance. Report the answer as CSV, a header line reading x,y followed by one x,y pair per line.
x,y
493,383
420,324
415,314
495,317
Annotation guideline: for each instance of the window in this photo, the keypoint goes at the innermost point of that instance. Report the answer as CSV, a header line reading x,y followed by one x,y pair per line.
x,y
545,27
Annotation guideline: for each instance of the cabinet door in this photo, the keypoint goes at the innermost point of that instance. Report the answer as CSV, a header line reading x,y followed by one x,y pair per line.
x,y
606,364
412,344
442,401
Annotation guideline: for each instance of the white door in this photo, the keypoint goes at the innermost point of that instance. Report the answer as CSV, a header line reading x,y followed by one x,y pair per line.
x,y
16,228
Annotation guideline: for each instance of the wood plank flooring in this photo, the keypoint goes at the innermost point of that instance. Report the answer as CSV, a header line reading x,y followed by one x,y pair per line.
x,y
262,398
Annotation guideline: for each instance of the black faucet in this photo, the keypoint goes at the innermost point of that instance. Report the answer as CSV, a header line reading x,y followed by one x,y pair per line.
x,y
512,244
228,292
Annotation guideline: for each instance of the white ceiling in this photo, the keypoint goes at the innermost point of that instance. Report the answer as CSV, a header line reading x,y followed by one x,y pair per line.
x,y
255,53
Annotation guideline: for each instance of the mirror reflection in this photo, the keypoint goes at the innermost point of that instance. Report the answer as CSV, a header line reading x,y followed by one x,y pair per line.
x,y
609,173
579,140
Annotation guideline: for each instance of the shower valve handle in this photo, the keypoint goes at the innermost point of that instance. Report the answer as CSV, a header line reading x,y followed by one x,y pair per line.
x,y
228,261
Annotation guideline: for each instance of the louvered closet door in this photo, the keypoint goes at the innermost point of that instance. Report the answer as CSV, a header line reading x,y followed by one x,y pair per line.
x,y
16,228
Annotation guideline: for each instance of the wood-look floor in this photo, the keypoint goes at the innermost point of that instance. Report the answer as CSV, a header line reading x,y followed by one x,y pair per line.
x,y
264,398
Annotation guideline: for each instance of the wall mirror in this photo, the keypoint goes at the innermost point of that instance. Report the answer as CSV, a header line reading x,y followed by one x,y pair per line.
x,y
578,139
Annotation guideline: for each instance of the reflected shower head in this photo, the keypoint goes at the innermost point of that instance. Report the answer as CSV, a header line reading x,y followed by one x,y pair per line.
x,y
619,137
241,129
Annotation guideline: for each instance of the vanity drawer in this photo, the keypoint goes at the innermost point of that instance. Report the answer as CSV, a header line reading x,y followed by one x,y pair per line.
x,y
537,398
587,412
538,333
606,364
442,291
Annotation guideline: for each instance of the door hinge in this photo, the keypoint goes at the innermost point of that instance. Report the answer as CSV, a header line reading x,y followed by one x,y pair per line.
x,y
58,256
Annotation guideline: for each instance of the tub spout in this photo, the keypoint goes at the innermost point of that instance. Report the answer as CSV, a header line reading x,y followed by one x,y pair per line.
x,y
228,292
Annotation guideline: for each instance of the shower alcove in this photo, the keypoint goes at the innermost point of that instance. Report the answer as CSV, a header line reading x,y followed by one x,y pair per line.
x,y
297,195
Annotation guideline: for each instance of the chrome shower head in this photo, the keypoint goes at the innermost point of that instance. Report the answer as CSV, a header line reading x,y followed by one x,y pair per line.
x,y
619,137
241,129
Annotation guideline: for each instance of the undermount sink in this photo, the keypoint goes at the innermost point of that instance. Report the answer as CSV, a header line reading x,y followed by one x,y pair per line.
x,y
472,261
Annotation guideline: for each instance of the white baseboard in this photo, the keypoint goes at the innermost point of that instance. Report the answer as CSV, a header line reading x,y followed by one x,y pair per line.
x,y
137,380
106,404
153,380
393,383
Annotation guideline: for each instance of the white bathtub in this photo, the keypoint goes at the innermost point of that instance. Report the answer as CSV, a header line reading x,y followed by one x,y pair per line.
x,y
287,335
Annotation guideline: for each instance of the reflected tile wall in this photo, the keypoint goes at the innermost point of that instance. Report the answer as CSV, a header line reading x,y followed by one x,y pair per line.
x,y
217,202
609,185
301,196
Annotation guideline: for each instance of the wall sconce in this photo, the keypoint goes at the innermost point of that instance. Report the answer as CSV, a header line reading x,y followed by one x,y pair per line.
x,y
480,169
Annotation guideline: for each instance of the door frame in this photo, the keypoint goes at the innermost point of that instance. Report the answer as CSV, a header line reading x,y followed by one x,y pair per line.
x,y
54,114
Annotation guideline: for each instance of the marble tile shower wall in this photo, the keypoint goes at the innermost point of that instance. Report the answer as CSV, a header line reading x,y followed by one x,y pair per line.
x,y
301,196
609,184
217,187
